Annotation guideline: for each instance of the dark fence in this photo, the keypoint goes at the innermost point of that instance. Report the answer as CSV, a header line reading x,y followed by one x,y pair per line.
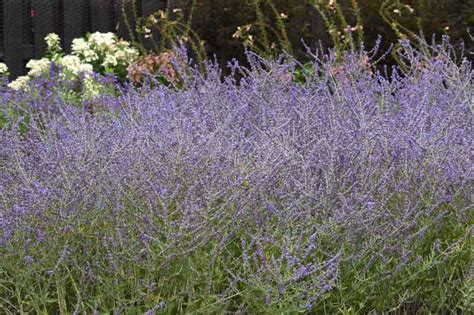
x,y
25,23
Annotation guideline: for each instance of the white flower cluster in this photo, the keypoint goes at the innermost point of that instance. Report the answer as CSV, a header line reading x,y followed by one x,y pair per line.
x,y
20,83
105,48
74,65
103,41
52,40
98,49
38,66
3,68
80,47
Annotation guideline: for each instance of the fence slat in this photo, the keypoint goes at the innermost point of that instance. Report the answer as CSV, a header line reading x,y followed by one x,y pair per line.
x,y
45,21
103,15
76,20
13,36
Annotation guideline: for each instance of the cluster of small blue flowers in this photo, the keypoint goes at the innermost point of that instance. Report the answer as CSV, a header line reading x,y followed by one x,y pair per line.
x,y
280,183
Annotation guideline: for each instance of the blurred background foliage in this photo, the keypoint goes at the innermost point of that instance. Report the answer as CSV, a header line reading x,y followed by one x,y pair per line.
x,y
224,28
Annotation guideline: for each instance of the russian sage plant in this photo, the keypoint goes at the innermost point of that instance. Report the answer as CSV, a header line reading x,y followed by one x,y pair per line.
x,y
349,192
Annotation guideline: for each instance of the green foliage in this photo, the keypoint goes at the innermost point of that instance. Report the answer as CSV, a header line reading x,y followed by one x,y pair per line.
x,y
302,73
10,118
166,29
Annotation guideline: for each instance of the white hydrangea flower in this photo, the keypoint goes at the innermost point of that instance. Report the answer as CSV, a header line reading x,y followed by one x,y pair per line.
x,y
71,63
85,67
89,55
132,53
110,60
104,41
38,66
120,55
86,70
3,68
20,83
52,40
81,47
127,55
